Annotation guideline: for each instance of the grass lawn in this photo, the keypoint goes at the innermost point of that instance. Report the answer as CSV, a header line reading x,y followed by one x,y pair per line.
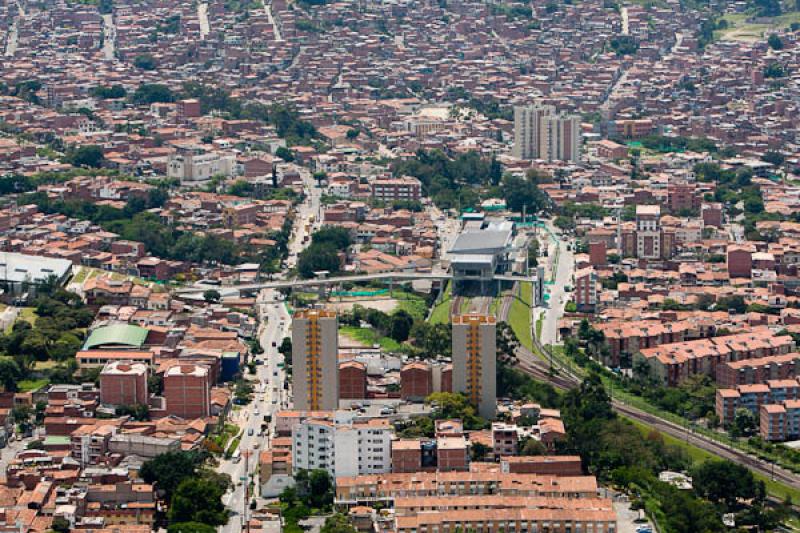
x,y
28,385
370,337
741,30
45,365
697,455
81,276
526,292
27,314
411,304
519,318
440,313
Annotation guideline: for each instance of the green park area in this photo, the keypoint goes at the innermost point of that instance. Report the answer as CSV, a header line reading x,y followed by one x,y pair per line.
x,y
740,27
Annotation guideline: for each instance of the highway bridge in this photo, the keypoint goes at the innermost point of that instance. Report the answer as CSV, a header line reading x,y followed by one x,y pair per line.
x,y
335,280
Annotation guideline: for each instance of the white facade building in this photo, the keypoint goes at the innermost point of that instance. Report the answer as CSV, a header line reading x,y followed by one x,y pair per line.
x,y
192,165
343,446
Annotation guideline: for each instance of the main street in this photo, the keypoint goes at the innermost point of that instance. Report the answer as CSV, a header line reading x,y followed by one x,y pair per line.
x,y
269,397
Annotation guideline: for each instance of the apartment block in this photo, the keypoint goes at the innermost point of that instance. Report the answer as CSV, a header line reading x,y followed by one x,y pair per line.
x,y
761,370
672,363
586,289
416,381
496,520
402,188
540,133
315,365
474,361
352,380
187,390
553,465
342,445
368,489
753,397
123,383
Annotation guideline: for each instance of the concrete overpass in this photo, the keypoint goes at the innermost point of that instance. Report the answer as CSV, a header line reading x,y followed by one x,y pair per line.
x,y
335,280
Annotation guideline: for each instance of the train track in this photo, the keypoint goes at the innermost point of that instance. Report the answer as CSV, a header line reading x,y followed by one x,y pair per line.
x,y
564,379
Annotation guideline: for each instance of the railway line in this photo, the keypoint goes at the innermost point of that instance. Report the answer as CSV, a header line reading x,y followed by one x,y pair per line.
x,y
564,379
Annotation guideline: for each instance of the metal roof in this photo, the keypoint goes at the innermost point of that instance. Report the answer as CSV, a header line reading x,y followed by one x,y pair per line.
x,y
116,334
19,268
472,242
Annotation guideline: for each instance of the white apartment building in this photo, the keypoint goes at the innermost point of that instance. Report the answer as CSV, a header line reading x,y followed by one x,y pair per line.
x,y
343,446
196,165
541,133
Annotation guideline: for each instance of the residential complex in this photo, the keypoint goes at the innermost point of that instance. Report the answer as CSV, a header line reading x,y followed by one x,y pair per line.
x,y
474,361
315,360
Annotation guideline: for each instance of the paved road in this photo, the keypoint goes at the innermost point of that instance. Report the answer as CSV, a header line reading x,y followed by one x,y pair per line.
x,y
311,206
554,309
202,17
109,37
12,40
270,396
276,29
624,12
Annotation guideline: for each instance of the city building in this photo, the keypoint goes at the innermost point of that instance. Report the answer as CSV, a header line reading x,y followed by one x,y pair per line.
x,y
352,380
479,252
342,445
474,361
416,381
187,390
540,133
315,364
586,289
21,273
195,164
393,189
124,383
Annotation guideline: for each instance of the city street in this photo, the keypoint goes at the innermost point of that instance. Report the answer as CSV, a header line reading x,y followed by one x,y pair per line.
x,y
303,213
554,309
269,397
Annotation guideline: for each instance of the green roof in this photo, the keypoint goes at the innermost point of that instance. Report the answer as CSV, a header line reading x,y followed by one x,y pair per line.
x,y
124,334
54,440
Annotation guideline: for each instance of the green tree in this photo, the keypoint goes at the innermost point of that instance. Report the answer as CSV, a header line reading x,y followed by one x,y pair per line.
x,y
21,416
317,258
400,325
520,193
190,527
87,156
105,93
775,42
145,62
169,469
338,523
198,500
744,423
10,374
285,154
211,296
152,93
724,481
60,525
775,70
314,488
